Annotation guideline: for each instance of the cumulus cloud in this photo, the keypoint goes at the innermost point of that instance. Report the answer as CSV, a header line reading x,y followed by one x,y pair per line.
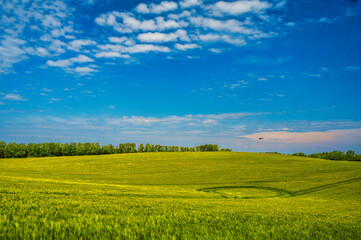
x,y
137,48
211,37
68,62
76,45
14,97
111,55
84,70
59,63
81,59
215,50
128,23
201,24
157,37
123,40
185,47
47,17
190,3
239,7
164,6
230,25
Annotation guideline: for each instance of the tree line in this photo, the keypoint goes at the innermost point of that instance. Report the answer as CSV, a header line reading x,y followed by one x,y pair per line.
x,y
350,155
52,149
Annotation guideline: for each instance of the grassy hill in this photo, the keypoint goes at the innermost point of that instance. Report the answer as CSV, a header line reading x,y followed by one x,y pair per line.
x,y
215,195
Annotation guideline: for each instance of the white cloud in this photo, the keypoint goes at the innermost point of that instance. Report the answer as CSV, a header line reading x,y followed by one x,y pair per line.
x,y
59,63
84,70
138,48
46,90
124,40
239,7
276,95
215,50
81,59
230,25
76,45
141,48
211,37
51,21
128,23
164,6
158,37
163,24
40,51
47,17
185,47
353,68
239,83
190,3
68,62
312,74
142,8
262,79
52,100
111,55
178,120
14,97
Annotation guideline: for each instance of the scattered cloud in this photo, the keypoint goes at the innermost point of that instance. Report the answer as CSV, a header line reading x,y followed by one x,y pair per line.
x,y
276,95
215,50
46,90
20,18
164,6
157,37
84,70
111,55
190,3
14,97
178,25
77,45
312,74
239,7
353,68
239,83
185,47
265,61
65,63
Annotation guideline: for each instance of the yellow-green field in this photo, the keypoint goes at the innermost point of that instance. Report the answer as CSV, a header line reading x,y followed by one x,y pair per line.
x,y
215,195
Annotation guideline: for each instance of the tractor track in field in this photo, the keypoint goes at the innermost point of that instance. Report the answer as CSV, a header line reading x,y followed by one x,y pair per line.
x,y
326,186
278,191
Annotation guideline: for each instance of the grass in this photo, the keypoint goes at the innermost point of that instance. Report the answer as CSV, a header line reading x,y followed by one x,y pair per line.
x,y
216,195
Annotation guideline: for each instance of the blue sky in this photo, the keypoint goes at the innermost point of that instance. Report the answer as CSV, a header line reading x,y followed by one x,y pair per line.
x,y
183,73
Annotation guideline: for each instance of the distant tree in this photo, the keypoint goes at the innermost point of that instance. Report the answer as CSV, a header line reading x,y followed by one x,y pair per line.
x,y
141,148
2,149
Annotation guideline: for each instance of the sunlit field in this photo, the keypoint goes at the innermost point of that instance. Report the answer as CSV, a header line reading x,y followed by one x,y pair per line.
x,y
216,195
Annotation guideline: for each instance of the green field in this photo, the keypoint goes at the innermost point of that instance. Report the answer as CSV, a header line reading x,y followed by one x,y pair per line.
x,y
215,195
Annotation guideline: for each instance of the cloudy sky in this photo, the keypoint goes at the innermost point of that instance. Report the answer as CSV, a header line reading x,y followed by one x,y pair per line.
x,y
183,73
